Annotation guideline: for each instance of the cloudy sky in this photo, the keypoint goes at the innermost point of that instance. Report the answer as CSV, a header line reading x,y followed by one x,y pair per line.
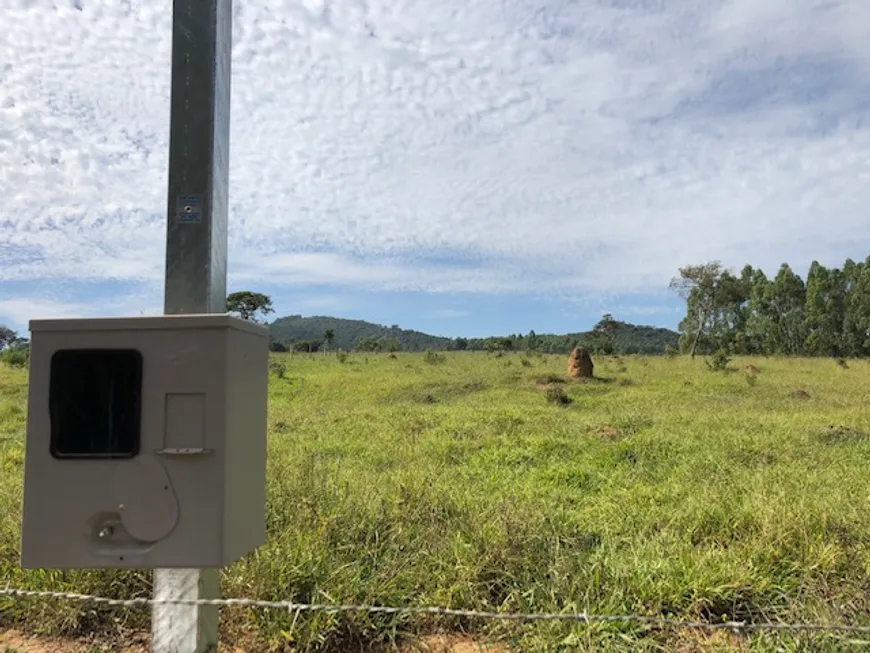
x,y
458,167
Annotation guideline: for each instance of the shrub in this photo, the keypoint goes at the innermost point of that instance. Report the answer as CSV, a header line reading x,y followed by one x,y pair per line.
x,y
433,358
15,356
341,356
277,368
557,396
670,352
719,361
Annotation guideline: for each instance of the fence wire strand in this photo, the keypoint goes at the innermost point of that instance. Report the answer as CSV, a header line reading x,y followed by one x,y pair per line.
x,y
582,617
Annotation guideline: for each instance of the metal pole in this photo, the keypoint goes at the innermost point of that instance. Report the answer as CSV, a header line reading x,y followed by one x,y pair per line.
x,y
196,255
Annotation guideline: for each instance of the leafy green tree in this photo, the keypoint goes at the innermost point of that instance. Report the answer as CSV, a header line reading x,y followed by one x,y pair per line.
x,y
604,332
329,337
8,337
761,318
390,344
368,343
853,339
249,305
828,315
825,311
786,296
859,309
532,341
712,294
276,346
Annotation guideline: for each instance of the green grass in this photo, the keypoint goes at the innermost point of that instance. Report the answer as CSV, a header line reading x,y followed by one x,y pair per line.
x,y
663,490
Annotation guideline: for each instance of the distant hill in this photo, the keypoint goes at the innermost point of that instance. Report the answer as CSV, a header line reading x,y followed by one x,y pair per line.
x,y
348,333
307,333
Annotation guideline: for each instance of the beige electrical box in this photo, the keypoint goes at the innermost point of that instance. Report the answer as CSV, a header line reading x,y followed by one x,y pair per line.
x,y
146,442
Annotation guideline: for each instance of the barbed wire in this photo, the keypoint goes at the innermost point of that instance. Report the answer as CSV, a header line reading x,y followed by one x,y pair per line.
x,y
582,617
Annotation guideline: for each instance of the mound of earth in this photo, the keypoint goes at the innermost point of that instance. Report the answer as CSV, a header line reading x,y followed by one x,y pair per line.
x,y
580,364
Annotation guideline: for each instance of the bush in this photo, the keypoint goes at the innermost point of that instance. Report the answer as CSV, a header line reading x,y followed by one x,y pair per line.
x,y
277,368
670,352
433,358
341,356
719,361
15,356
557,396
306,346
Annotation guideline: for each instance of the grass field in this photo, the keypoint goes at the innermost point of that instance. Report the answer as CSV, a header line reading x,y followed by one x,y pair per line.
x,y
663,489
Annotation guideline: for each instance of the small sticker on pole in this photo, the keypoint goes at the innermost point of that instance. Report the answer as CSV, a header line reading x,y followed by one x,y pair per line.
x,y
188,209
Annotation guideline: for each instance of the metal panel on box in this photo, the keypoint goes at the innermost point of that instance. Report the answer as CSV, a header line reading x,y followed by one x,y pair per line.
x,y
145,442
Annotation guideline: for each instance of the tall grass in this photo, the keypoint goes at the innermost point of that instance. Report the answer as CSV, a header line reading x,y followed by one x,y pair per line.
x,y
662,489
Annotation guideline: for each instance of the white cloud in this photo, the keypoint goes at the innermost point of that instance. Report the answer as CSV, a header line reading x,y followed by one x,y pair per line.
x,y
315,303
17,311
20,311
572,148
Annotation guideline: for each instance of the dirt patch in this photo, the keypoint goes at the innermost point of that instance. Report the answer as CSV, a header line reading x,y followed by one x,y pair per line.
x,y
696,641
608,433
623,428
548,379
433,393
18,642
802,395
13,641
839,434
452,644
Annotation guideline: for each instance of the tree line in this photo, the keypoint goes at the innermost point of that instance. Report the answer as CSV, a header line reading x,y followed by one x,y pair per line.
x,y
749,313
318,333
608,336
746,313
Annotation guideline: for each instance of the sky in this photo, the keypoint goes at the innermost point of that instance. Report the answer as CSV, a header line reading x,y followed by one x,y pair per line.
x,y
460,168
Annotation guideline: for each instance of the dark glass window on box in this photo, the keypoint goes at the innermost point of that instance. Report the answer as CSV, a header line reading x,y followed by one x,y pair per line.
x,y
95,399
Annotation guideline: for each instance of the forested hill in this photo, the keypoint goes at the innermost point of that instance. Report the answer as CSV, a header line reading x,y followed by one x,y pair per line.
x,y
309,334
347,334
